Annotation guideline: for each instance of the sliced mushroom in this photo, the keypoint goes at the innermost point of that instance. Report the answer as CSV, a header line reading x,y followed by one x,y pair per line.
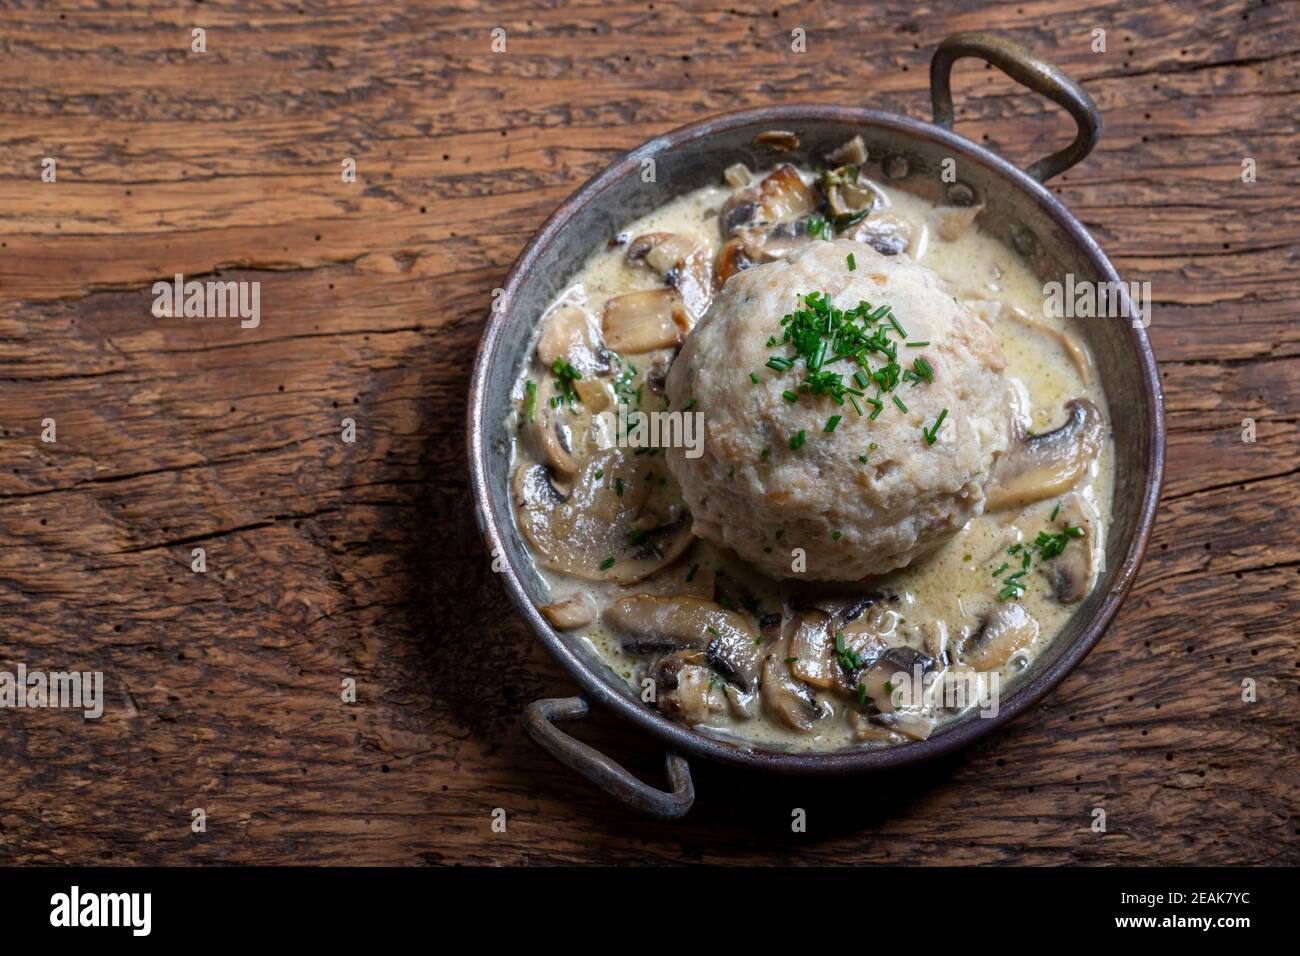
x,y
653,624
867,730
1007,629
788,700
865,603
737,176
781,197
784,196
1070,573
1078,357
684,687
684,264
732,258
781,139
643,321
555,428
585,528
884,680
850,195
812,650
890,234
576,610
1039,466
571,334
918,726
854,152
951,222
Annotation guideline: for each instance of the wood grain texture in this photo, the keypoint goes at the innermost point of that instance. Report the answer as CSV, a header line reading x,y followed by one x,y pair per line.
x,y
328,560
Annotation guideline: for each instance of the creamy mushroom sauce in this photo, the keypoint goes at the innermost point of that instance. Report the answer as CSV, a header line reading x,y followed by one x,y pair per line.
x,y
948,611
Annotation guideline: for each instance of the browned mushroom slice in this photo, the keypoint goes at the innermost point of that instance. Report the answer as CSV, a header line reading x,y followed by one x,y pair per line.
x,y
587,529
643,321
890,234
570,333
788,700
812,650
781,197
1070,573
734,257
684,264
1039,466
1008,628
574,611
781,139
653,624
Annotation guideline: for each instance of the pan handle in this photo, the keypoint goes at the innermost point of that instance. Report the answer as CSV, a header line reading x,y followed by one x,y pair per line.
x,y
1030,71
539,722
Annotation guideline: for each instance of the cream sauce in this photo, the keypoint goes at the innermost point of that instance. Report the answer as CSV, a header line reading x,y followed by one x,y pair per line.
x,y
948,593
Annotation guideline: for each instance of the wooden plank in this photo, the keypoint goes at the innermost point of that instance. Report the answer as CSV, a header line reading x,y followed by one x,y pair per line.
x,y
329,561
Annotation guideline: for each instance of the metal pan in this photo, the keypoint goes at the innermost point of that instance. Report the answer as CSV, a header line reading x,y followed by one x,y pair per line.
x,y
909,153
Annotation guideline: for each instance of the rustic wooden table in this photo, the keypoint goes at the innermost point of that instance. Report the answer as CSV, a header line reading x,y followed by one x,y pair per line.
x,y
327,560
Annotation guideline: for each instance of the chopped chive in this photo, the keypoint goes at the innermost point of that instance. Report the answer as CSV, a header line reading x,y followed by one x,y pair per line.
x,y
832,422
853,263
790,396
763,455
753,378
1055,511
530,405
689,405
618,487
916,345
899,402
600,473
607,564
797,441
835,536
932,434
